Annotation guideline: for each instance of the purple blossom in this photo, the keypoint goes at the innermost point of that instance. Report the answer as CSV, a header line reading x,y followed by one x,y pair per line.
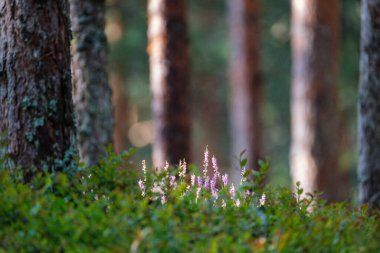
x,y
207,182
225,179
215,166
213,183
214,191
249,193
232,190
200,181
224,203
237,202
172,181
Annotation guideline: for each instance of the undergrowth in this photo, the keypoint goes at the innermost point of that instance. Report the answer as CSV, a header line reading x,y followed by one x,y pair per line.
x,y
116,207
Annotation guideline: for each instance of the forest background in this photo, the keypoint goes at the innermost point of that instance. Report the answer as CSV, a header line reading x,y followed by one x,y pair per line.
x,y
126,28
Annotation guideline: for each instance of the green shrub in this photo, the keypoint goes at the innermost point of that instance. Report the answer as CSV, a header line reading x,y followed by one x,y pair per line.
x,y
103,209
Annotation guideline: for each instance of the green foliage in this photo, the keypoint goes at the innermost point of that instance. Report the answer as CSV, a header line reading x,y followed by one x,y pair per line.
x,y
102,209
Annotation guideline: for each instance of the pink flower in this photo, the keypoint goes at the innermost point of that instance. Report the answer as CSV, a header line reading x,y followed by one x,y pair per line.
x,y
182,169
207,182
163,199
215,166
214,191
225,179
192,180
205,163
172,182
262,200
142,187
232,190
213,183
200,181
249,193
166,166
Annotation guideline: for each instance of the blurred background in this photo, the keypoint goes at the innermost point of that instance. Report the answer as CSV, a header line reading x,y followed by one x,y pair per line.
x,y
209,39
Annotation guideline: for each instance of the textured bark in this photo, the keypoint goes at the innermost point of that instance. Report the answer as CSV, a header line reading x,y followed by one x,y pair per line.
x,y
369,105
92,93
36,111
315,113
245,80
169,77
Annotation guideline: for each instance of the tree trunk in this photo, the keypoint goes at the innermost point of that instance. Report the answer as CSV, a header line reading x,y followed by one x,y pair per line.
x,y
169,77
36,111
245,80
314,106
92,93
122,113
369,105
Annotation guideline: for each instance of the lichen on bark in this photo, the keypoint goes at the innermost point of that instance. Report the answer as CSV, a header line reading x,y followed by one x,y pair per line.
x,y
92,93
35,69
369,105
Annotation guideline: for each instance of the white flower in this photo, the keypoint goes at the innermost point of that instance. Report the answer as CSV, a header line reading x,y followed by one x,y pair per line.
x,y
163,199
225,179
262,200
232,190
224,203
192,180
205,163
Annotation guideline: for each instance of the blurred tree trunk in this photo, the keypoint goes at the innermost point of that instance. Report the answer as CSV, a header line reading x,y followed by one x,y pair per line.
x,y
246,80
36,111
169,77
210,110
369,105
122,113
118,17
92,93
315,98
208,101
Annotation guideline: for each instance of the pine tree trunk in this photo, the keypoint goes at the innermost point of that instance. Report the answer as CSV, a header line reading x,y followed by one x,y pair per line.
x,y
245,80
169,77
122,113
314,107
369,105
36,111
92,93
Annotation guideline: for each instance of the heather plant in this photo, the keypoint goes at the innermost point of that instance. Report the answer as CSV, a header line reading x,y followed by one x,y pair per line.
x,y
208,185
121,206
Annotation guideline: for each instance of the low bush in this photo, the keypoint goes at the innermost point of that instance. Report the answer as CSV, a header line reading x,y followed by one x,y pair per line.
x,y
117,208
